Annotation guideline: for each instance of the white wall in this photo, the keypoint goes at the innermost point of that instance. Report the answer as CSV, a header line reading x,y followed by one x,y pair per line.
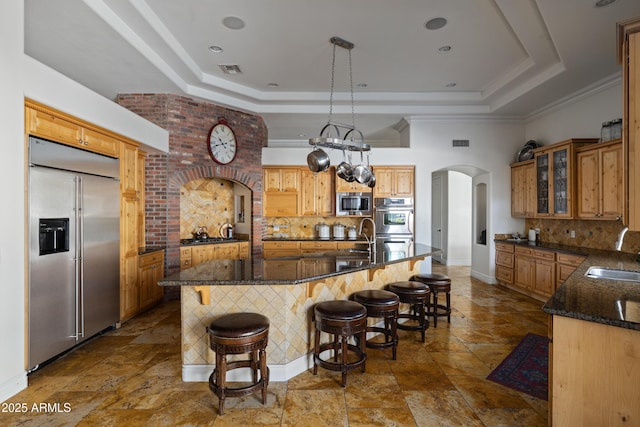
x,y
12,173
581,117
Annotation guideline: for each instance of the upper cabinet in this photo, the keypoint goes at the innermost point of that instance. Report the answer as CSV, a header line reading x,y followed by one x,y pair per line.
x,y
394,181
281,195
343,186
58,128
549,190
523,189
317,192
629,56
599,183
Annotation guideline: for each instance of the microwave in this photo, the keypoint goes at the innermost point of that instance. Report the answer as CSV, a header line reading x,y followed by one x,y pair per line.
x,y
354,204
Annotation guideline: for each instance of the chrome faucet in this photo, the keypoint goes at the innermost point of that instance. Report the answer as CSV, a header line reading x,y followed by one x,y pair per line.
x,y
621,238
371,241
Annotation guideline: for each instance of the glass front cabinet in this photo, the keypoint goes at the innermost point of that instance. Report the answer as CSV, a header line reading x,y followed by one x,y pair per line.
x,y
555,177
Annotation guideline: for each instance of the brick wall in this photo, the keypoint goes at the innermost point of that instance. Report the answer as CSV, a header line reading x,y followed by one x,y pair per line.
x,y
188,122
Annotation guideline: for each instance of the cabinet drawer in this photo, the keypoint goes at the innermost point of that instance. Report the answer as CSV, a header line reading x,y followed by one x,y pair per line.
x,y
542,254
185,263
151,258
570,259
185,253
504,274
523,250
504,259
269,245
318,246
504,247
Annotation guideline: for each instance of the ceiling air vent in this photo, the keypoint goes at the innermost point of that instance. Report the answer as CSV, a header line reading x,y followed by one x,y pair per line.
x,y
460,143
230,68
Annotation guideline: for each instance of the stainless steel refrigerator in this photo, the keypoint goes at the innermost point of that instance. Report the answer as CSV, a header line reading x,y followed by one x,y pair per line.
x,y
74,233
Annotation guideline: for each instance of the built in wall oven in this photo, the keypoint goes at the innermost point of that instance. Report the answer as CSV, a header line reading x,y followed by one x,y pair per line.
x,y
394,216
354,203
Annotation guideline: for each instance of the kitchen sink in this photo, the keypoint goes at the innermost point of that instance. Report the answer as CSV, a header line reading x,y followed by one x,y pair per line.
x,y
613,274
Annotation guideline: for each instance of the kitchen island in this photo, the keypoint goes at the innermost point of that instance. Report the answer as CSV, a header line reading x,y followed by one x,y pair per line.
x,y
594,366
283,289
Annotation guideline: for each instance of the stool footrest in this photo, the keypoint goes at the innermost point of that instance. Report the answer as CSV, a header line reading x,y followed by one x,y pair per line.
x,y
338,366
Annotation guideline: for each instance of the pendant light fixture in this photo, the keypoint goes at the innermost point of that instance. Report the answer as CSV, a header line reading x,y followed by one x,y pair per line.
x,y
330,135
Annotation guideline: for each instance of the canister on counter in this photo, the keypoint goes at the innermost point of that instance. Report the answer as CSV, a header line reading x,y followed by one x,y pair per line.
x,y
605,132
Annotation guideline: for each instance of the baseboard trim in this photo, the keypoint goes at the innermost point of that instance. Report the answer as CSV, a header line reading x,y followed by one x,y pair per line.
x,y
13,386
487,279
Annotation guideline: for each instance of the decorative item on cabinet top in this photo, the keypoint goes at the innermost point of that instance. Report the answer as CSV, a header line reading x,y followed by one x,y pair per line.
x,y
526,152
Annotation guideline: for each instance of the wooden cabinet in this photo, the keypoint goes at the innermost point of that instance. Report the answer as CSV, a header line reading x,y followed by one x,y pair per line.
x,y
504,263
343,186
150,271
523,189
129,232
318,246
394,181
190,256
555,178
318,196
566,264
628,33
595,374
533,271
61,128
599,182
281,195
275,249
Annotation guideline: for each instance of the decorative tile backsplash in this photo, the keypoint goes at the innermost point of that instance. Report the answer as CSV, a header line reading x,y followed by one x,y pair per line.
x,y
205,202
590,234
305,227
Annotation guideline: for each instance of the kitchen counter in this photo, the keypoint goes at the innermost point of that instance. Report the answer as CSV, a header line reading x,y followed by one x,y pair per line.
x,y
290,269
310,239
149,249
209,241
283,289
610,302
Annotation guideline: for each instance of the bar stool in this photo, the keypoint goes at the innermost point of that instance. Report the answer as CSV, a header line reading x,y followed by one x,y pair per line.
x,y
437,283
343,319
415,294
239,333
381,304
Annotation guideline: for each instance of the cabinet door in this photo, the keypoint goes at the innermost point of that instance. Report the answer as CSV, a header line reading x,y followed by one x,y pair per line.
x,y
523,190
403,183
317,193
588,184
542,179
150,272
524,272
53,127
100,143
226,251
631,111
271,179
384,182
544,278
201,253
561,183
612,196
290,180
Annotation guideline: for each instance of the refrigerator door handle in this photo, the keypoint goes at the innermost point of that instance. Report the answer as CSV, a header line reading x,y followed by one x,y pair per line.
x,y
80,283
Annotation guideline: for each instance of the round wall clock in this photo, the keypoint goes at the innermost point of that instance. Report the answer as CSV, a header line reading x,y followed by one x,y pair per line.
x,y
222,143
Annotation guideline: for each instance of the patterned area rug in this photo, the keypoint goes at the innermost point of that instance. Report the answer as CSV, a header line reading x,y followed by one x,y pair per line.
x,y
526,368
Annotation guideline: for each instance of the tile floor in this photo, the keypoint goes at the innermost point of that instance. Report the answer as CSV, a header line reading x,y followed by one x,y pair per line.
x,y
132,377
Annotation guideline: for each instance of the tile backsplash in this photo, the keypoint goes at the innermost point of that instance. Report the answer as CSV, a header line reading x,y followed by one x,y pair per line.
x,y
305,227
205,202
590,234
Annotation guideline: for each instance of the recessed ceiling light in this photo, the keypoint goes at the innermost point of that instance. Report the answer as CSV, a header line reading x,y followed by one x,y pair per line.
x,y
215,49
444,48
602,3
272,84
451,84
233,23
436,23
302,135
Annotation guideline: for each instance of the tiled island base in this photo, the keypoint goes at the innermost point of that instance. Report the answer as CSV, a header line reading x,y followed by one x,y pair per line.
x,y
289,308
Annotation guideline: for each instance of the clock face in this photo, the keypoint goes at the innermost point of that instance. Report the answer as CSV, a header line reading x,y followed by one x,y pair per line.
x,y
222,144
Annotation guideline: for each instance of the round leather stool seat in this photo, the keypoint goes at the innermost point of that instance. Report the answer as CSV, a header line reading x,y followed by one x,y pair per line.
x,y
437,283
239,333
381,304
342,319
415,294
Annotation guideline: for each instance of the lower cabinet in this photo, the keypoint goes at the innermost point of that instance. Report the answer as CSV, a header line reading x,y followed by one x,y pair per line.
x,y
282,248
533,271
150,271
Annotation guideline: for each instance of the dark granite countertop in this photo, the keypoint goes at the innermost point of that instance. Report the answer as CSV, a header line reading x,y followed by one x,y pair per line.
x,y
310,239
611,302
292,269
209,241
149,249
